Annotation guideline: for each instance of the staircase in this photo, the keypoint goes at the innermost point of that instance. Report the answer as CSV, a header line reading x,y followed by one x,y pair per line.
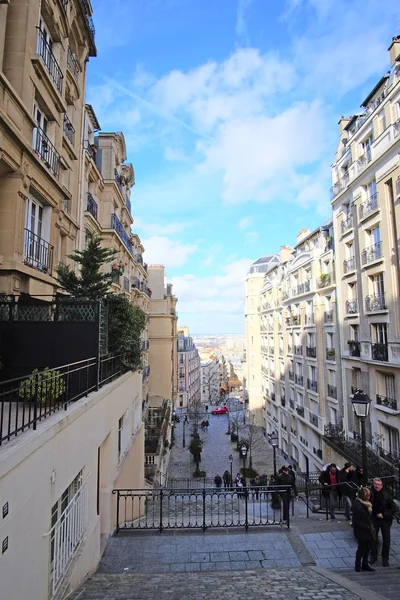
x,y
385,582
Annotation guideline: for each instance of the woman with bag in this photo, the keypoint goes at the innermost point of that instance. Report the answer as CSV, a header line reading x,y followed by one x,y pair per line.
x,y
363,529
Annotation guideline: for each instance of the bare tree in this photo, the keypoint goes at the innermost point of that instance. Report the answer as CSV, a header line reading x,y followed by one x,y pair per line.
x,y
252,435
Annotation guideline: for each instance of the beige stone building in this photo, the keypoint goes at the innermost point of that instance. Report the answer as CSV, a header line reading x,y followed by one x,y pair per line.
x,y
366,218
189,375
44,49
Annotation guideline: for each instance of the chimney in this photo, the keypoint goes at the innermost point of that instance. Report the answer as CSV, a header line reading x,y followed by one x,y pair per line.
x,y
303,233
342,124
394,50
285,253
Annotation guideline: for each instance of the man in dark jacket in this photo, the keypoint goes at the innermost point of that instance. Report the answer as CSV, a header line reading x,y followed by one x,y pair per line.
x,y
284,478
348,489
383,509
330,477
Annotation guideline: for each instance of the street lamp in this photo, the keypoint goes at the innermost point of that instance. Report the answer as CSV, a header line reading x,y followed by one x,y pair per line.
x,y
361,405
231,461
183,432
274,439
243,451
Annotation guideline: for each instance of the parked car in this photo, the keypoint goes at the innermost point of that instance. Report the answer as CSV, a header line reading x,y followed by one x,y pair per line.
x,y
220,410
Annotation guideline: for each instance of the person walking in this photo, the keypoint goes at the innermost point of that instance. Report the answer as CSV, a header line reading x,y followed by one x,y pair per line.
x,y
227,479
383,509
285,479
348,489
292,474
330,478
363,529
218,481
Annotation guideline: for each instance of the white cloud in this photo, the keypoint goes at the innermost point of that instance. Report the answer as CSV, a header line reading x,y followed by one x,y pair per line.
x,y
175,155
241,26
162,250
245,223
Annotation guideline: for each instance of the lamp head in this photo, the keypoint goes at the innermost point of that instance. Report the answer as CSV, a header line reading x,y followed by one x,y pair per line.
x,y
243,450
361,403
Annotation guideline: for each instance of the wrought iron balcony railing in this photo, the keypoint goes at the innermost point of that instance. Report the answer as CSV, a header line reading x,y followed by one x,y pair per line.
x,y
311,352
332,391
325,280
117,225
369,206
92,205
330,354
351,307
314,419
291,375
298,350
380,352
364,159
38,253
347,224
385,401
349,264
291,403
312,385
375,303
283,401
46,151
354,348
328,316
371,253
69,130
299,379
300,410
339,186
72,64
45,51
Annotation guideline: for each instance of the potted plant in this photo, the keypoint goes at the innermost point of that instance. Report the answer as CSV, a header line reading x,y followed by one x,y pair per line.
x,y
49,385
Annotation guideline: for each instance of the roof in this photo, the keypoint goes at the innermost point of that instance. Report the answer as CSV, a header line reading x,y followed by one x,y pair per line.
x,y
264,263
92,115
376,88
353,119
322,227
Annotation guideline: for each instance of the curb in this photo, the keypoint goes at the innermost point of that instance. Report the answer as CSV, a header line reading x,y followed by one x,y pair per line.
x,y
350,586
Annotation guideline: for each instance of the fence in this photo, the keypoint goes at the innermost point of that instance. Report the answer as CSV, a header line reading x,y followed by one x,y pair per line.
x,y
27,400
163,509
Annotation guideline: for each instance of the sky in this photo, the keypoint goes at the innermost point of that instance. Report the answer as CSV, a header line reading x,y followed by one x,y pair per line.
x,y
229,110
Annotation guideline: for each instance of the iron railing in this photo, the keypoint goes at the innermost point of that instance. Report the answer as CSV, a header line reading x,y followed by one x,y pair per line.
x,y
69,130
332,391
298,350
46,151
371,253
38,253
385,401
339,186
72,64
375,303
354,348
349,264
299,379
351,307
190,508
311,352
119,228
369,206
328,316
300,410
312,385
45,51
27,400
364,159
380,352
92,206
347,224
146,373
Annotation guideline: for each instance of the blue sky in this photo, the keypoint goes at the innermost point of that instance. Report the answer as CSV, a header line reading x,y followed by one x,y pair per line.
x,y
230,109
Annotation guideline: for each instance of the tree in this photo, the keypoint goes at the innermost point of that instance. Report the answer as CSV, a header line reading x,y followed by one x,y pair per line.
x,y
195,448
90,283
252,436
125,325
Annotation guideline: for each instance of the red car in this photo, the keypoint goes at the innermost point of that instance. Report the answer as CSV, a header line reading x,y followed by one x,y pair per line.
x,y
221,410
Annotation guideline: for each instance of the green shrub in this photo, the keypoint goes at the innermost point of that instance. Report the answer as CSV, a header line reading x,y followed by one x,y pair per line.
x,y
50,386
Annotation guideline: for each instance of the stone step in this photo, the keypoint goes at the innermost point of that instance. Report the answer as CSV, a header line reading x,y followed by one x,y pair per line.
x,y
385,582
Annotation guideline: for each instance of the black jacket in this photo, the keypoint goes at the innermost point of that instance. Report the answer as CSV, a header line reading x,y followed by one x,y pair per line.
x,y
325,479
348,478
285,479
382,502
362,523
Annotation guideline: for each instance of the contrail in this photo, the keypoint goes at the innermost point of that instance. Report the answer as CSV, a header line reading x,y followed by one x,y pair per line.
x,y
152,106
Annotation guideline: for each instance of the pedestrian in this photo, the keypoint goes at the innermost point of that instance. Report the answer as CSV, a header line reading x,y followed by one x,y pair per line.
x,y
206,424
256,483
218,481
206,408
227,479
292,474
383,510
363,529
284,479
330,478
239,484
359,476
348,488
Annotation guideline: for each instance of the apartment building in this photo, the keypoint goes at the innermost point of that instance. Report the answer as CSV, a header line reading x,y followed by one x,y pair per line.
x,y
188,371
252,364
366,219
44,49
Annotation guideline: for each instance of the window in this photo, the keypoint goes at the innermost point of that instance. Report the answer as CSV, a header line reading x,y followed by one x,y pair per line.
x,y
356,378
386,385
58,511
382,121
371,188
34,217
311,340
379,333
377,285
329,341
313,373
375,235
390,439
354,333
333,415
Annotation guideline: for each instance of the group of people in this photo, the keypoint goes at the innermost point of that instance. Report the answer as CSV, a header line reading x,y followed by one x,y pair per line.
x,y
204,425
372,511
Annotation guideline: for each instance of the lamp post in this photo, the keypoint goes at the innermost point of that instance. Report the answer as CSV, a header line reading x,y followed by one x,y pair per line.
x,y
361,406
183,435
274,439
243,451
231,461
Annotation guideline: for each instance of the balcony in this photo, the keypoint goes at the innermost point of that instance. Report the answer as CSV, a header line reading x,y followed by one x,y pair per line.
x,y
325,280
273,396
317,452
52,66
38,253
331,354
69,130
283,401
347,224
293,321
284,427
354,348
291,375
126,285
291,403
128,204
300,410
375,303
364,159
272,350
311,352
351,307
281,353
328,316
371,253
387,402
91,206
117,225
299,379
72,64
312,385
380,352
282,377
339,186
332,391
146,373
275,419
314,419
46,151
303,441
349,264
303,288
310,319
298,350
293,431
369,206
290,350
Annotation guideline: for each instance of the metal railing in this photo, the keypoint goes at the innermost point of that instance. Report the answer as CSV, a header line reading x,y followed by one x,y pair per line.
x,y
349,264
339,186
347,224
69,130
375,303
311,352
300,410
27,400
371,253
45,51
332,391
330,354
354,348
191,508
385,401
312,385
351,307
298,350
46,151
328,316
364,159
369,206
38,253
299,379
72,64
117,225
380,352
146,373
310,319
92,206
